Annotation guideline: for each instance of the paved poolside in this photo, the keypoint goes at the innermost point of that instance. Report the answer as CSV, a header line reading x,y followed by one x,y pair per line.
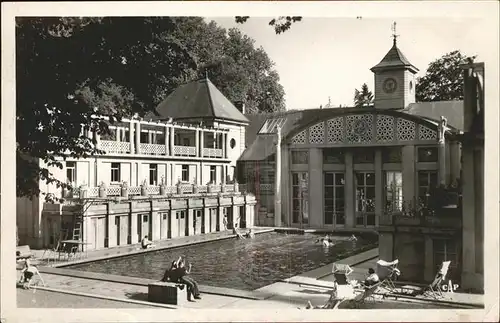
x,y
65,284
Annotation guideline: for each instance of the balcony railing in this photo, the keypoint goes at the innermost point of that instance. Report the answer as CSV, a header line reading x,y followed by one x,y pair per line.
x,y
184,151
180,189
115,147
212,152
153,149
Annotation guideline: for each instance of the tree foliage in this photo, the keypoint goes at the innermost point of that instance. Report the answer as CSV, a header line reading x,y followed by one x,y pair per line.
x,y
364,97
443,80
280,24
70,69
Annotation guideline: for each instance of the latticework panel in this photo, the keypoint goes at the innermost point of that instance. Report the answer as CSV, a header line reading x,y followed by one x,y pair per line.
x,y
299,138
212,152
153,149
114,191
115,147
426,133
385,128
153,190
317,133
359,128
406,130
184,151
134,190
335,130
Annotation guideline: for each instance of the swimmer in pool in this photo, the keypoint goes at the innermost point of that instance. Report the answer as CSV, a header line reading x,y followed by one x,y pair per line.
x,y
326,241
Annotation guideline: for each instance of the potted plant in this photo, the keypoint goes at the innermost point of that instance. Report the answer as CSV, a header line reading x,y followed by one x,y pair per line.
x,y
102,190
195,186
236,186
163,187
82,191
210,187
179,187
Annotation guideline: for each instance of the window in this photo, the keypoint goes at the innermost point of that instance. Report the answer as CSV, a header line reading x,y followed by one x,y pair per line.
x,y
393,191
427,154
334,198
363,156
144,137
124,135
232,143
365,198
333,156
267,176
271,125
300,198
446,250
145,218
213,170
185,173
153,174
71,172
115,172
300,157
427,180
391,155
185,141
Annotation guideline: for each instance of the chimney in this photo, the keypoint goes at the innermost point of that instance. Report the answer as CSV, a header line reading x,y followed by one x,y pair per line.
x,y
240,105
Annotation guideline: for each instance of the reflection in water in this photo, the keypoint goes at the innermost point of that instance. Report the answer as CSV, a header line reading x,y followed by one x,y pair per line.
x,y
242,264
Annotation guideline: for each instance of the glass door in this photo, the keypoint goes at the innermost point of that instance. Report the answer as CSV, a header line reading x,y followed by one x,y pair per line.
x,y
334,199
365,199
300,199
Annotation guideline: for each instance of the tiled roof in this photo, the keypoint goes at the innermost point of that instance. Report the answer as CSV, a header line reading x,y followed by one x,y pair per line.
x,y
198,99
394,58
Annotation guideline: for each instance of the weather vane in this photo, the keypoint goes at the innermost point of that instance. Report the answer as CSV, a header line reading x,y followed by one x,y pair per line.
x,y
394,35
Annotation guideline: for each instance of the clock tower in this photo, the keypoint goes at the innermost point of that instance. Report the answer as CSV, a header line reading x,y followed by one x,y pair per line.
x,y
394,79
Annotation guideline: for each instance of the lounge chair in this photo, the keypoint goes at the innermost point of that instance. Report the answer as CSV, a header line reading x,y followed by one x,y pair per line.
x,y
368,292
388,272
340,272
434,289
336,298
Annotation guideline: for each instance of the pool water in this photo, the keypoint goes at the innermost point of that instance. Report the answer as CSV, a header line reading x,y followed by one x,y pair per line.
x,y
240,264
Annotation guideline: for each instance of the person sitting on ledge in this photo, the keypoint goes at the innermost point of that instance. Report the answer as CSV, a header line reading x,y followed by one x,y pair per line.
x,y
326,241
146,244
192,285
250,234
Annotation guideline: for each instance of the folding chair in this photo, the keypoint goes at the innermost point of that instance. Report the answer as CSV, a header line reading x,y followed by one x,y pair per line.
x,y
388,272
434,289
340,272
366,294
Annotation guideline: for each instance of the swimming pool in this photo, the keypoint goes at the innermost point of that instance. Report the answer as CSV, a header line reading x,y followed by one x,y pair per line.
x,y
240,264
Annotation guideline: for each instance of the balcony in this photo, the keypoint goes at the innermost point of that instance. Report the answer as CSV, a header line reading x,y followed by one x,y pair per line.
x,y
153,149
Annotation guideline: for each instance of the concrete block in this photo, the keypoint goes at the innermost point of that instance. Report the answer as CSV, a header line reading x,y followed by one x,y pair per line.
x,y
167,293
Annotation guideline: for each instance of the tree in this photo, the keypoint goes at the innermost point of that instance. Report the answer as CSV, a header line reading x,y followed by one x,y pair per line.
x,y
443,80
280,24
364,97
232,62
70,69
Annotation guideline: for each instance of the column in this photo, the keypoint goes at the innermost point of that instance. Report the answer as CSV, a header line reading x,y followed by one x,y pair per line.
x,y
454,161
134,238
190,222
87,233
468,217
442,152
225,142
202,142
224,148
248,216
172,141
206,220
285,184
315,187
138,138
221,218
429,269
379,187
198,174
155,222
223,175
409,178
117,134
350,214
167,141
197,142
150,137
131,136
174,223
236,215
277,183
111,228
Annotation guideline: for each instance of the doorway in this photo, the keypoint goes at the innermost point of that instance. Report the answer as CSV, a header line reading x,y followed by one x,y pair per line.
x,y
365,199
300,199
334,199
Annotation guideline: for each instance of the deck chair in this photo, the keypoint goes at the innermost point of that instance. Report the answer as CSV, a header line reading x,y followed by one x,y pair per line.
x,y
434,289
341,273
336,298
388,272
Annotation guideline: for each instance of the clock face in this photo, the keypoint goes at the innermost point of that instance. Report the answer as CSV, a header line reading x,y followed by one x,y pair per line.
x,y
390,85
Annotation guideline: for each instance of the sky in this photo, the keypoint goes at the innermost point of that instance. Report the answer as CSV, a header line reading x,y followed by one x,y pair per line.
x,y
320,58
